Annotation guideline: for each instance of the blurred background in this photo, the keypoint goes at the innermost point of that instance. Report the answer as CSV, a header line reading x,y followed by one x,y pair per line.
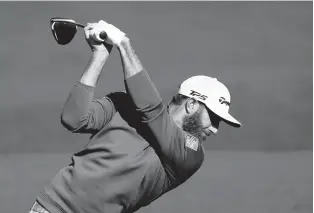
x,y
262,51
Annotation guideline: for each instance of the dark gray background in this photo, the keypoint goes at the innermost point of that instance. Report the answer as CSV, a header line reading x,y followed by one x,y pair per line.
x,y
262,51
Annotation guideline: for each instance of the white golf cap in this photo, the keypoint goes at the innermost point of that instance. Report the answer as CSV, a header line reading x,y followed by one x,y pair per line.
x,y
214,94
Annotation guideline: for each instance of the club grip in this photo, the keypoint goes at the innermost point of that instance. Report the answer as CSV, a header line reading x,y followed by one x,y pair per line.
x,y
103,35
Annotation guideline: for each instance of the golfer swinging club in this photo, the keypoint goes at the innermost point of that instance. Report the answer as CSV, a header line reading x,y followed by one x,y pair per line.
x,y
139,148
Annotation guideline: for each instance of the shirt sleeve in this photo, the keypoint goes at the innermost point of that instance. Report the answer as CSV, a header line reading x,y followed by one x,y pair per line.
x,y
82,114
180,153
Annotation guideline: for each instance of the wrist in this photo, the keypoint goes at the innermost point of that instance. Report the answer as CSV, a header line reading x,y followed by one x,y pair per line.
x,y
125,41
100,54
103,49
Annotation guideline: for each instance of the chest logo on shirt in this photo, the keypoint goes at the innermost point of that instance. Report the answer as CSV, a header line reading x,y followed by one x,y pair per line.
x,y
191,142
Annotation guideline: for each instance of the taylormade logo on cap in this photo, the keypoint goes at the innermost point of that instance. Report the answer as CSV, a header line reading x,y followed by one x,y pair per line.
x,y
222,100
214,94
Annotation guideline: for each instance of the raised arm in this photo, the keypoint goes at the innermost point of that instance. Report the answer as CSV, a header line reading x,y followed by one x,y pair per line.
x,y
169,141
81,113
138,83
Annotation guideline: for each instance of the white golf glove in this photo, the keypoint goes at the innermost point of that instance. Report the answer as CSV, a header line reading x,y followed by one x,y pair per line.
x,y
114,35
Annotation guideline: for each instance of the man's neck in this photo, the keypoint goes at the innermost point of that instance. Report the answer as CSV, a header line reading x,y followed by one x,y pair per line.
x,y
176,114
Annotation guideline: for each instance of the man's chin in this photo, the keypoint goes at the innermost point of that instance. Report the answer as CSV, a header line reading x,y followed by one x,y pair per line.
x,y
203,138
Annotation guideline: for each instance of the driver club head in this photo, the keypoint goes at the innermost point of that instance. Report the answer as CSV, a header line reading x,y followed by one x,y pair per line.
x,y
63,30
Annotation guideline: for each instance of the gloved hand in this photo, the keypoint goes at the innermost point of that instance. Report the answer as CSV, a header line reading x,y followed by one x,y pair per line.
x,y
95,44
114,35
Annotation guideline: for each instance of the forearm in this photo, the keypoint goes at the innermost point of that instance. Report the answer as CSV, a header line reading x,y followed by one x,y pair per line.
x,y
94,67
138,83
130,61
81,96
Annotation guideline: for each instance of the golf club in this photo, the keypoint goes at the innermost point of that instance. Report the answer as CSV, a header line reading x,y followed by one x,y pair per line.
x,y
64,30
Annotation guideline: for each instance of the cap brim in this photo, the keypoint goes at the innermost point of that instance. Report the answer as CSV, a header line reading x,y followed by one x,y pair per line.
x,y
229,119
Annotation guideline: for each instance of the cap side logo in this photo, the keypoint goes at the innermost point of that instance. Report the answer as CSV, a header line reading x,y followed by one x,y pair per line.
x,y
222,100
191,142
199,95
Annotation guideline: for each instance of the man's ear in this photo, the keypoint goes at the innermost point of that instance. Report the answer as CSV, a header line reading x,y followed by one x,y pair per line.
x,y
191,106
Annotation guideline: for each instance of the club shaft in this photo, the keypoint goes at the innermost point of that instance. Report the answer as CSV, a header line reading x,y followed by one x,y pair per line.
x,y
74,23
70,22
79,25
103,35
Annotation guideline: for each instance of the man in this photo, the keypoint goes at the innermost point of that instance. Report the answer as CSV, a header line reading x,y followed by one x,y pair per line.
x,y
139,149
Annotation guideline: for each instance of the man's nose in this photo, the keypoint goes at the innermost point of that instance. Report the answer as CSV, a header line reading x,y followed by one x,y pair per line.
x,y
213,129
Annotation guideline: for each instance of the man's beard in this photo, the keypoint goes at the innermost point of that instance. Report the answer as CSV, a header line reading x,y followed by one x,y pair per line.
x,y
192,124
